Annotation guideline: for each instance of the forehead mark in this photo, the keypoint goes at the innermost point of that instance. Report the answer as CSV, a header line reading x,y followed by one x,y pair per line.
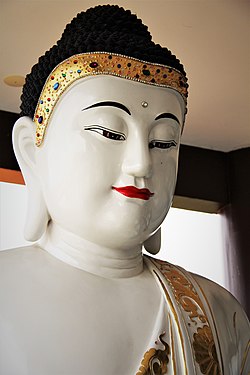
x,y
144,104
109,104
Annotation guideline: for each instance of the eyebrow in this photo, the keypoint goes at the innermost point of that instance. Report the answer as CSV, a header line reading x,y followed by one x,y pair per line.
x,y
109,104
167,115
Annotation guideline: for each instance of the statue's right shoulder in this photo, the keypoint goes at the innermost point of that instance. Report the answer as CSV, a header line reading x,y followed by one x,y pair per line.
x,y
17,256
19,264
32,265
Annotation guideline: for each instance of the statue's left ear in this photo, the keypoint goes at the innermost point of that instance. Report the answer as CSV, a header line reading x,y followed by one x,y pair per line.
x,y
153,243
24,147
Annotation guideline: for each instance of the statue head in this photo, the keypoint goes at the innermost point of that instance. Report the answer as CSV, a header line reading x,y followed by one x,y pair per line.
x,y
98,140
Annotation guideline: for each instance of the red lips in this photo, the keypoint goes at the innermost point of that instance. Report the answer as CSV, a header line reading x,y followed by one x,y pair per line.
x,y
134,192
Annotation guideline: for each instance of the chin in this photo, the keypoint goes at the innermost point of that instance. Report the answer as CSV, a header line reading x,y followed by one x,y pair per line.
x,y
125,236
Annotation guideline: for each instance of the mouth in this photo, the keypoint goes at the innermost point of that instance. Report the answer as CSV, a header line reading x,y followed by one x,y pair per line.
x,y
134,192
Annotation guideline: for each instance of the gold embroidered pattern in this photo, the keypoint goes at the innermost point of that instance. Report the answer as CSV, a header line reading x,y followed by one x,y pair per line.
x,y
155,361
96,63
205,351
190,302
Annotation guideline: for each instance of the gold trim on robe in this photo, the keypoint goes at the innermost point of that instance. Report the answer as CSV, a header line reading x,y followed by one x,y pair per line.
x,y
189,344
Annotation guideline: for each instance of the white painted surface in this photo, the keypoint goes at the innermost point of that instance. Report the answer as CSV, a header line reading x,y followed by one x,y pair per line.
x,y
13,207
190,239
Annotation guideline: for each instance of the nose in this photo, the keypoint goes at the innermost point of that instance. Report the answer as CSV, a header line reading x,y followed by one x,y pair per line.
x,y
137,159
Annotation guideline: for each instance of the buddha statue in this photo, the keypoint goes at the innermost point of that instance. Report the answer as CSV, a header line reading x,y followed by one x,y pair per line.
x,y
97,142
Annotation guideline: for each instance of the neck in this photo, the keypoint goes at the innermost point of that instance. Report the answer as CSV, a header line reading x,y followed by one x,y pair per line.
x,y
91,257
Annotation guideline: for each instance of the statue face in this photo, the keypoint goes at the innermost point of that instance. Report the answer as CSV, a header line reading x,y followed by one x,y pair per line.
x,y
109,159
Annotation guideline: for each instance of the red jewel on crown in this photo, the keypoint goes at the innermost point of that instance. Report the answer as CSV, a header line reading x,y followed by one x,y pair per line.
x,y
93,64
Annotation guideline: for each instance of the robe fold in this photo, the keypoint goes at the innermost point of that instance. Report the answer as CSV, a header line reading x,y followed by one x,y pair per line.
x,y
200,328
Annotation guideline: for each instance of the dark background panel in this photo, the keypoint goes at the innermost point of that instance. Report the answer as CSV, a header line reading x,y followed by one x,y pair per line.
x,y
202,174
7,158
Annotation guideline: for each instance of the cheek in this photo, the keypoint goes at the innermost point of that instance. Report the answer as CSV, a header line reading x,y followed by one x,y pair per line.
x,y
164,180
76,170
165,166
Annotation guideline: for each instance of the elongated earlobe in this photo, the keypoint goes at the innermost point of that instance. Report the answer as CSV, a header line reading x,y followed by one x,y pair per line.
x,y
37,216
153,243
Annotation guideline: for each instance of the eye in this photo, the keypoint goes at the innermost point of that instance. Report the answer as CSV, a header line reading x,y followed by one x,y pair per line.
x,y
162,144
107,133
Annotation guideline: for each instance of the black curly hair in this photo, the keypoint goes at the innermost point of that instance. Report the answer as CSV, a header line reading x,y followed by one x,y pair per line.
x,y
104,28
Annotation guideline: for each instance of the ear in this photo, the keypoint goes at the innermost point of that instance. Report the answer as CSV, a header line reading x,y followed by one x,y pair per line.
x,y
37,216
153,243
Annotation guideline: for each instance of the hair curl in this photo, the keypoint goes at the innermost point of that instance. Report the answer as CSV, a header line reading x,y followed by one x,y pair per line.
x,y
104,28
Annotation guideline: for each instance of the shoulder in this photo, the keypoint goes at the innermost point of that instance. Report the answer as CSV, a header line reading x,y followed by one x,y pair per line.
x,y
231,322
227,312
16,265
224,306
229,319
218,297
213,289
19,257
23,264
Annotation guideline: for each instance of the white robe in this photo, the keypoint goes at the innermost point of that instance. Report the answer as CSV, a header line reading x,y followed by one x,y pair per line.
x,y
52,323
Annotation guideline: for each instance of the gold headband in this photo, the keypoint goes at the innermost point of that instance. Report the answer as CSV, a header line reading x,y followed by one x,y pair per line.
x,y
96,63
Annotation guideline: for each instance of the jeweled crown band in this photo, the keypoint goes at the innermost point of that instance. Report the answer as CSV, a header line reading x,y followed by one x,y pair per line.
x,y
96,63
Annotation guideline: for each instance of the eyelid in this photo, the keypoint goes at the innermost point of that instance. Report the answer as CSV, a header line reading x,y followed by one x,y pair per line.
x,y
100,129
156,143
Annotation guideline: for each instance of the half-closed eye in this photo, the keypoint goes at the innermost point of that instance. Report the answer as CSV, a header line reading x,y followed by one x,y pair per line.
x,y
105,132
162,144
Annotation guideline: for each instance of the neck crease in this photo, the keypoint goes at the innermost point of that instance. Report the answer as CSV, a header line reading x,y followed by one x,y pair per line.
x,y
91,257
